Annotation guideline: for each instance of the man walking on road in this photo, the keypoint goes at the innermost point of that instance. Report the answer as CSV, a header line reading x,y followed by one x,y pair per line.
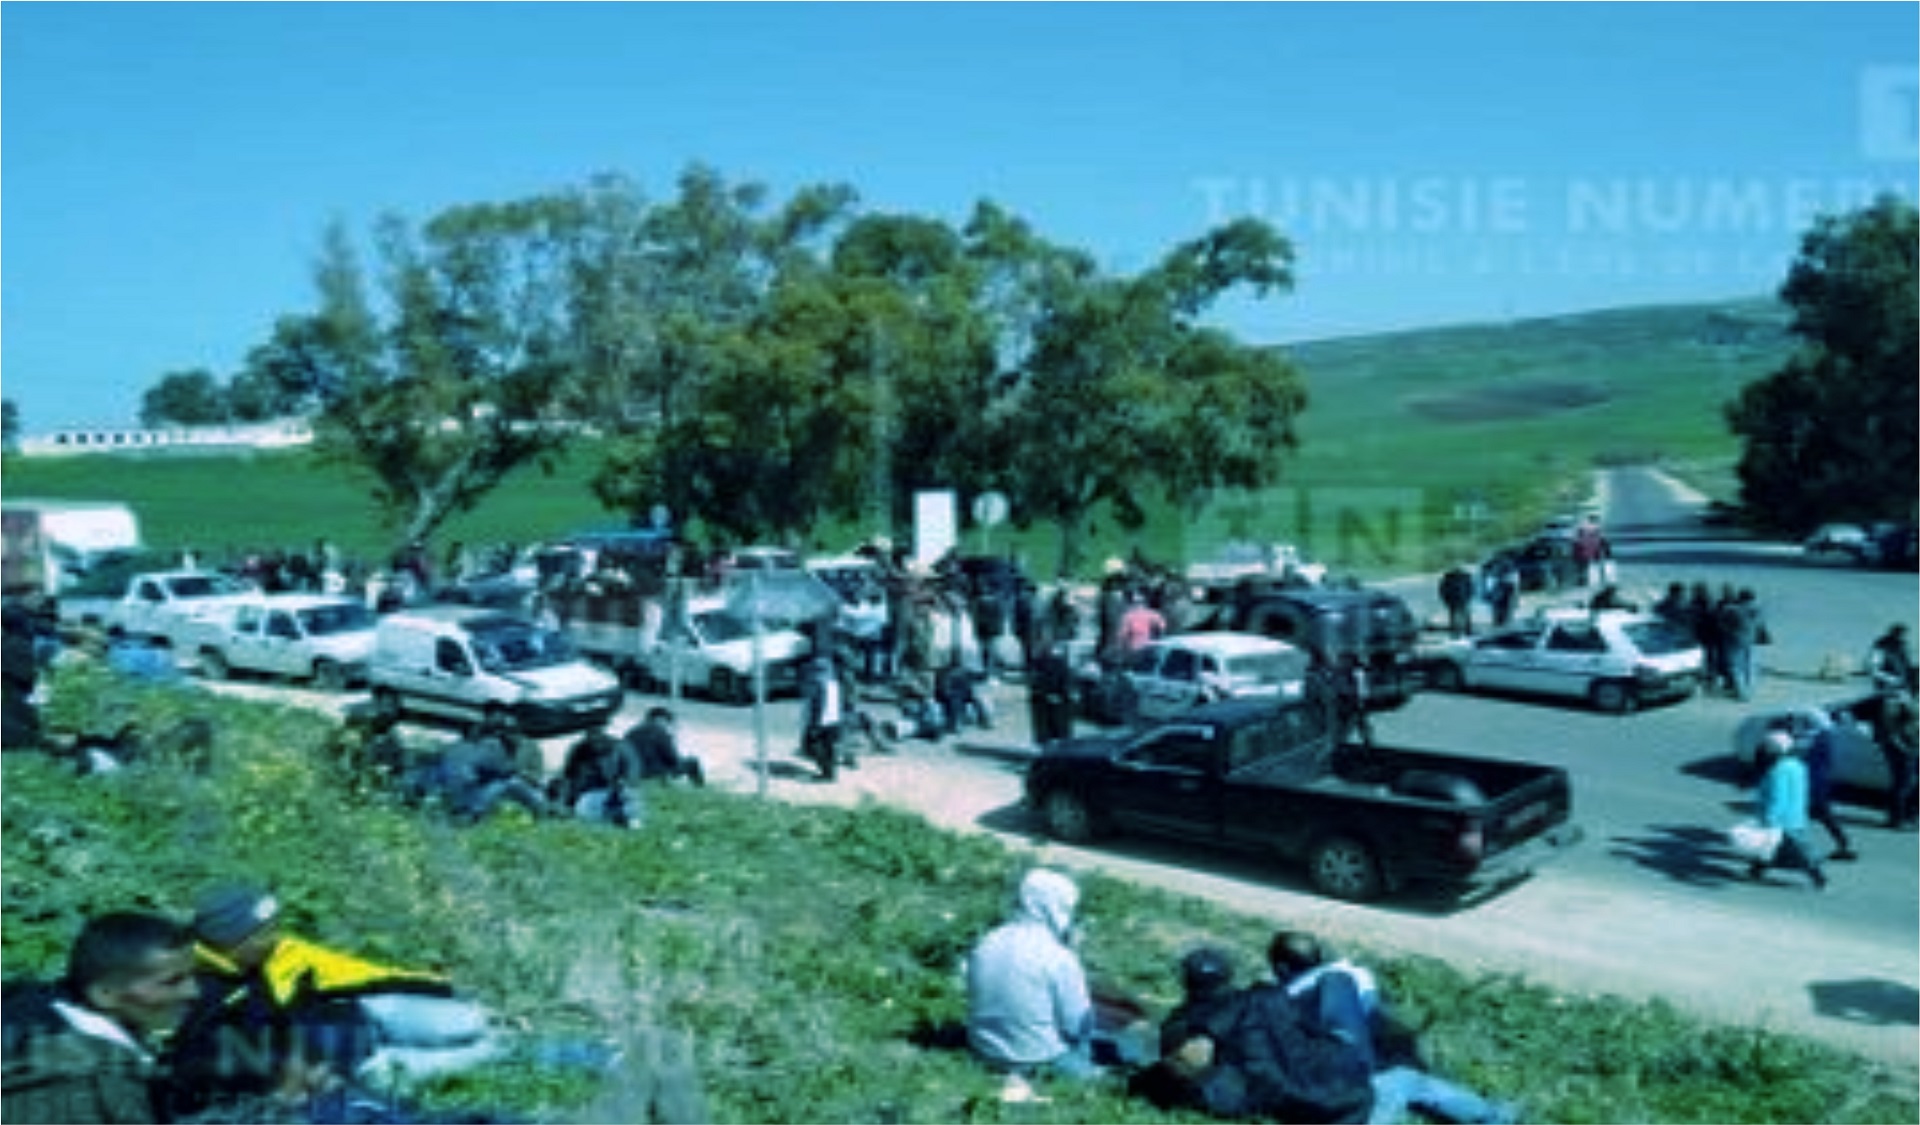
x,y
1781,802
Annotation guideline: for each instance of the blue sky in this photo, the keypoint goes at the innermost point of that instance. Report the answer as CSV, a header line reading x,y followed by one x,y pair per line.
x,y
169,168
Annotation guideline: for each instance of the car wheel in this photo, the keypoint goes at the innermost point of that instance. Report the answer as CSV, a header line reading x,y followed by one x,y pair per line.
x,y
1613,697
329,676
1068,817
213,666
1343,867
1446,676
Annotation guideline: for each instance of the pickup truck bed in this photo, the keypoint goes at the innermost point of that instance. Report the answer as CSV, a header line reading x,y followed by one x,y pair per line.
x,y
1364,820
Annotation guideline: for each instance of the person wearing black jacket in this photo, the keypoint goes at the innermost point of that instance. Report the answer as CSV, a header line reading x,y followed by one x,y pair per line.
x,y
659,755
1253,1053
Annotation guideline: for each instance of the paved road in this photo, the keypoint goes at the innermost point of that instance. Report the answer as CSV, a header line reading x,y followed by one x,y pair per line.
x,y
1650,906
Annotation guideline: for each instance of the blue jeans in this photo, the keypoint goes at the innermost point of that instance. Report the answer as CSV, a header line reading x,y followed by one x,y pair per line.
x,y
425,1036
1401,1088
1740,669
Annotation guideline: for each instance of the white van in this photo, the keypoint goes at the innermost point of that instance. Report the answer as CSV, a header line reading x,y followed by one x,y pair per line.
x,y
469,664
51,543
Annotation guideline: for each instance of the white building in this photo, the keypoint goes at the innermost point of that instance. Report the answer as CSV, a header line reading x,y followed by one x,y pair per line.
x,y
285,433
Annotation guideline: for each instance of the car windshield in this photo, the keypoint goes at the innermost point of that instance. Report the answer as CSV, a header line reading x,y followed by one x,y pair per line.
x,y
326,620
717,627
204,586
1658,638
518,648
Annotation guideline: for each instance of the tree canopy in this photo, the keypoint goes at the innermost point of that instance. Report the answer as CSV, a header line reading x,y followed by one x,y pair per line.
x,y
759,364
1832,435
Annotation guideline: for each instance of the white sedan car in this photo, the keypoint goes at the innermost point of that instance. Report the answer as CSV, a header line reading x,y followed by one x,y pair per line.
x,y
1857,761
1612,659
1177,673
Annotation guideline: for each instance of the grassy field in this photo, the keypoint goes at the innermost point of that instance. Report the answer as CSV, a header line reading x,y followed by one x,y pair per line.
x,y
801,962
1417,447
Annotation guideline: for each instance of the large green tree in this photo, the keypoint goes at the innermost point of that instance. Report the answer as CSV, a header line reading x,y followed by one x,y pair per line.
x,y
185,398
1831,435
9,424
1122,393
454,380
678,299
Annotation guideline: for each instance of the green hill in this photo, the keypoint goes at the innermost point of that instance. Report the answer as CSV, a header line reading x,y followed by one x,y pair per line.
x,y
1416,445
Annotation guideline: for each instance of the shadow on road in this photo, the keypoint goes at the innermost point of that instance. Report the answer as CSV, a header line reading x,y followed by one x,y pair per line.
x,y
1868,1000
1686,853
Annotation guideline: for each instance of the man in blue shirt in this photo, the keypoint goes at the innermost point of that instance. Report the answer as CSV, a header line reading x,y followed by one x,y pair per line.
x,y
1781,802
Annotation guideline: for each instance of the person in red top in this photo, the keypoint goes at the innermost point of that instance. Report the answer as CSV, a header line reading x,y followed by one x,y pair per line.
x,y
1140,625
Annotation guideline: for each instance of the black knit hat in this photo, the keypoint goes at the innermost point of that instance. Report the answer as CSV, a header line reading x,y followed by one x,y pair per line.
x,y
228,915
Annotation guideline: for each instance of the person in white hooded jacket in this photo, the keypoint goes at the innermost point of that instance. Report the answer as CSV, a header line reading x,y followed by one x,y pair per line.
x,y
1028,1006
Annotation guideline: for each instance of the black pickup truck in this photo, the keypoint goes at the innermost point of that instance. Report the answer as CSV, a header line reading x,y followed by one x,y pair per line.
x,y
1253,777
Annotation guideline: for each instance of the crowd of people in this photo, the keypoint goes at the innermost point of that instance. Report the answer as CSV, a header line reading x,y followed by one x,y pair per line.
x,y
1315,1043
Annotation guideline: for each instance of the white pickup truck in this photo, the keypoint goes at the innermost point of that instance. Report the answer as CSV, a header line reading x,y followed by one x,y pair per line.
x,y
325,640
159,605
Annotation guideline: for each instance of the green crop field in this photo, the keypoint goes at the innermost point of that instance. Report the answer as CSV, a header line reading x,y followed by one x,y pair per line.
x,y
1416,446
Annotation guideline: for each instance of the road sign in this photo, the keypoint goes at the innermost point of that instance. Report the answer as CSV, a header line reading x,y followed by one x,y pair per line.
x,y
990,509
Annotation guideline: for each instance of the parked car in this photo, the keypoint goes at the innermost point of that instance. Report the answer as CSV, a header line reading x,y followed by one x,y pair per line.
x,y
1542,563
326,640
1857,761
1179,673
712,650
1844,539
469,664
1333,626
159,605
1272,781
1614,659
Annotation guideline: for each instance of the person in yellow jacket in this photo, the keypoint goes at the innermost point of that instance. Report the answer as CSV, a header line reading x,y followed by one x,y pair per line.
x,y
394,1021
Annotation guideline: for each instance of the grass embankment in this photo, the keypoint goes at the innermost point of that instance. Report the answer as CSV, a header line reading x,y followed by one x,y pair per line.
x,y
1418,449
802,953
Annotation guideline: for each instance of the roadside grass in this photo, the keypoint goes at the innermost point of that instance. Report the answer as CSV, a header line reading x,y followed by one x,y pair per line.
x,y
800,961
1418,449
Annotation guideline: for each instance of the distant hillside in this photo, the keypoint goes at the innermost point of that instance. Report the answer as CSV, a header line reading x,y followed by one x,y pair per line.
x,y
1554,391
1404,432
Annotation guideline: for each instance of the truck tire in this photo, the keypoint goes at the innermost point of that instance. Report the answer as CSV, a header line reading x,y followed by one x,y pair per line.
x,y
329,676
1613,697
1068,817
1445,675
1345,868
212,665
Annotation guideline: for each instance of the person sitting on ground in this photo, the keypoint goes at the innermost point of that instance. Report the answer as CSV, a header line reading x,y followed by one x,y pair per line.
x,y
601,780
476,775
270,996
87,1048
1252,1053
1344,998
659,753
1028,1007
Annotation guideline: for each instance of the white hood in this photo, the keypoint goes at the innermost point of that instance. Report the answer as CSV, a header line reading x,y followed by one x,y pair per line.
x,y
564,681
